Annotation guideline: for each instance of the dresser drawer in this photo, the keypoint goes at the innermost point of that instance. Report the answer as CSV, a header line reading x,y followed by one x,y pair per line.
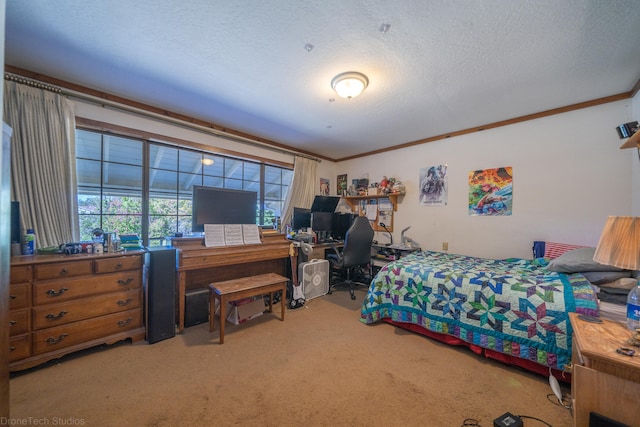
x,y
110,265
51,291
85,308
19,347
61,270
19,296
19,321
20,273
58,337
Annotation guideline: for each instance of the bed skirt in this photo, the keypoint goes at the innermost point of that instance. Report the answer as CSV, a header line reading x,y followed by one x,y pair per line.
x,y
491,354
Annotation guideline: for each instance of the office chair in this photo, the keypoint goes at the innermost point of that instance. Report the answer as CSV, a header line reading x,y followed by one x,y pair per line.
x,y
355,253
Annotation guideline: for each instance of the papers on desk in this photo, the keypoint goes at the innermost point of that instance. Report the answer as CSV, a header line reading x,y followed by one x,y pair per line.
x,y
231,234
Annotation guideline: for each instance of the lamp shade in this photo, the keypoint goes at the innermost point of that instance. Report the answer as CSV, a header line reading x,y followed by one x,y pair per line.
x,y
619,243
350,84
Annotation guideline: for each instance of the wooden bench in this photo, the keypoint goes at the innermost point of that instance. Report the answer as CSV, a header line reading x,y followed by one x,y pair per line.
x,y
231,290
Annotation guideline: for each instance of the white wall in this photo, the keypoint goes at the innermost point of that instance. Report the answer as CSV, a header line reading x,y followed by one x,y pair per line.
x,y
568,176
635,161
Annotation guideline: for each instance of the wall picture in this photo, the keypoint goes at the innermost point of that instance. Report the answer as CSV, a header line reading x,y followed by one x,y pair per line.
x,y
324,186
341,189
434,185
491,191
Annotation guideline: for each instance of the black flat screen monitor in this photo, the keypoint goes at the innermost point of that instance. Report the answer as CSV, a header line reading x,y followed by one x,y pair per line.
x,y
213,205
325,204
322,221
301,218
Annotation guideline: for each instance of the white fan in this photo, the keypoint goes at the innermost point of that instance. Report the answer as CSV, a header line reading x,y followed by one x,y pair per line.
x,y
315,278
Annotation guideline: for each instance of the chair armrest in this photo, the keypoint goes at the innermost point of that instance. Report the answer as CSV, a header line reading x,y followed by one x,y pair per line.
x,y
336,251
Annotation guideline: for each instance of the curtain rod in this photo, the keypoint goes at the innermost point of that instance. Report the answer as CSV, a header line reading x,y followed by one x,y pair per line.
x,y
31,82
148,114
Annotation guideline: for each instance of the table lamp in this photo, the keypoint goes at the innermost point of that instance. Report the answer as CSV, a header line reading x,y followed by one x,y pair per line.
x,y
619,246
619,243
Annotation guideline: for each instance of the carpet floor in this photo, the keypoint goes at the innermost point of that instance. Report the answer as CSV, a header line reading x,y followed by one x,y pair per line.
x,y
320,367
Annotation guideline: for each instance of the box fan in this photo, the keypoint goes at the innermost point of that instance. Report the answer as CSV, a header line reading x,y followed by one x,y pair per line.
x,y
314,278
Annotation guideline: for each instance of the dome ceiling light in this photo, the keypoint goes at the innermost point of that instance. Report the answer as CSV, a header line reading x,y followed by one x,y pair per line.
x,y
350,84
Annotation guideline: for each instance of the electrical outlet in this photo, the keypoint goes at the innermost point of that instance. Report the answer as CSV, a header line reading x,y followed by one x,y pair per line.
x,y
445,246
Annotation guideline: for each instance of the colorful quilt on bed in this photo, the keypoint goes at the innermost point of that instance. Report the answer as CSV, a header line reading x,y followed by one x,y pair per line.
x,y
512,306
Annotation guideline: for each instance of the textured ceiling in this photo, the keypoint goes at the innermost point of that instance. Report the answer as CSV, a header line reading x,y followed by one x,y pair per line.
x,y
443,66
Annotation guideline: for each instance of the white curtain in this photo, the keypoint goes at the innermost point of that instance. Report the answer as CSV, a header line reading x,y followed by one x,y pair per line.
x,y
302,190
43,164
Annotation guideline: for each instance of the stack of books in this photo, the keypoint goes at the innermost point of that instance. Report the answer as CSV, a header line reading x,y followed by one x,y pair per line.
x,y
130,242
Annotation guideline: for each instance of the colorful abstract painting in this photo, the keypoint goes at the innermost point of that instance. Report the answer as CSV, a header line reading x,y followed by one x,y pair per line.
x,y
491,191
434,186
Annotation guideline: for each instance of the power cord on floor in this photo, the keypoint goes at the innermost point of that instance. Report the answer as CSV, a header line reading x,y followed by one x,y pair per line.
x,y
472,422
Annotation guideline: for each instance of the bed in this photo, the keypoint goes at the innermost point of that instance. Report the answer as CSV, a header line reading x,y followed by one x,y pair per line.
x,y
513,310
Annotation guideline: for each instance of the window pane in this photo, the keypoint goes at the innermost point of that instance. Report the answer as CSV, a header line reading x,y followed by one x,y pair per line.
x,y
272,175
121,205
121,150
88,173
163,157
163,206
162,226
233,168
213,181
88,145
234,184
216,168
190,161
187,181
88,223
122,224
184,205
122,179
161,181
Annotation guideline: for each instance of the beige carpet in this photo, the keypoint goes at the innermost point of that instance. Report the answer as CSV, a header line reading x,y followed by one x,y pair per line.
x,y
320,367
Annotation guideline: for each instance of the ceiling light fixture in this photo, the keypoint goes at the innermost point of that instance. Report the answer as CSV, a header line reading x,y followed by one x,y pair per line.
x,y
207,162
350,84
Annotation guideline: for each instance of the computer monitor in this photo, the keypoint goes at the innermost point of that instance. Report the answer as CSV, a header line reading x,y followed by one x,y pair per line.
x,y
341,223
325,204
322,222
301,219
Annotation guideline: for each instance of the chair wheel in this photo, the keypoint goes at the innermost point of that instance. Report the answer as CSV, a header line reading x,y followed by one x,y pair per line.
x,y
353,296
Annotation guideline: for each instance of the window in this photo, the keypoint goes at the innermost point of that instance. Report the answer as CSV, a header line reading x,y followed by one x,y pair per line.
x,y
127,185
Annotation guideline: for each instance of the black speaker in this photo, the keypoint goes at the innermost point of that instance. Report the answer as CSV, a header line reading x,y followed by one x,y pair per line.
x,y
196,307
160,293
15,222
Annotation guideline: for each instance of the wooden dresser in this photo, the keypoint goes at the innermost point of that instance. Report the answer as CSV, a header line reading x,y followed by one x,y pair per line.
x,y
64,303
604,381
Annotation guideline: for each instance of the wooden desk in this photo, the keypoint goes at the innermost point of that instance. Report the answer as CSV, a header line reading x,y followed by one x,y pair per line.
x,y
604,381
198,265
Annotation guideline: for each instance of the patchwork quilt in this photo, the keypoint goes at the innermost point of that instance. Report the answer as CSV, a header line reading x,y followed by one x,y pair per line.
x,y
512,306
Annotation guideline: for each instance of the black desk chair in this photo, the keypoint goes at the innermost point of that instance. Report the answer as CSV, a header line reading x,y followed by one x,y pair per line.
x,y
355,253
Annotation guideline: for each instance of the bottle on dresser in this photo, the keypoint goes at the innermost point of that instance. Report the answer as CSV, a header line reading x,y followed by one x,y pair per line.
x,y
633,308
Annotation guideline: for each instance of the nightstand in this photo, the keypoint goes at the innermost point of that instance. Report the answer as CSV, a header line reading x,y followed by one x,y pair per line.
x,y
604,381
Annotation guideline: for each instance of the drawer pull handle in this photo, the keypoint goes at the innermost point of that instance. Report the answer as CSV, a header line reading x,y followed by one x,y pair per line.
x,y
118,266
12,348
125,322
125,282
12,322
52,340
12,297
127,302
54,293
52,316
64,272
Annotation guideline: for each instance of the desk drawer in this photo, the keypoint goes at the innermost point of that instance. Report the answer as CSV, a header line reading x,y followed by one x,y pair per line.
x,y
19,321
20,273
60,270
19,347
19,295
51,291
112,265
85,308
75,333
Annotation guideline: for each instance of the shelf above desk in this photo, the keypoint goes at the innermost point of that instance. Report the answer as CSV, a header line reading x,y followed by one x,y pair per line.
x,y
353,201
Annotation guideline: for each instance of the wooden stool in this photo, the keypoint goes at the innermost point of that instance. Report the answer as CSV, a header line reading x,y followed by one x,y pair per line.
x,y
231,290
